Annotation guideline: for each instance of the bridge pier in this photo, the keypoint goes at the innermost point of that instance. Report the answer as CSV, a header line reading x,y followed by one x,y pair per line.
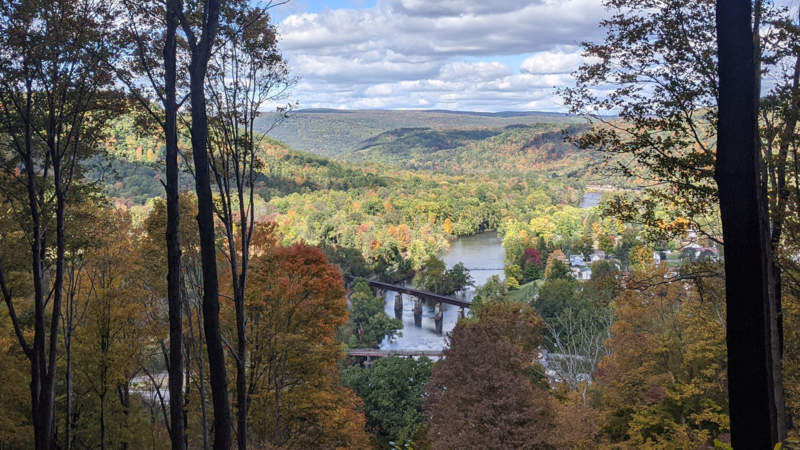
x,y
438,318
417,311
461,313
398,306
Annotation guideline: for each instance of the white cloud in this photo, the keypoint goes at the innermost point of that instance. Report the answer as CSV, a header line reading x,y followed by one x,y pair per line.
x,y
551,62
441,8
474,71
455,54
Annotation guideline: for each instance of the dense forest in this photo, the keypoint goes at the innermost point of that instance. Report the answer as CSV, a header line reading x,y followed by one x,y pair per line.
x,y
181,267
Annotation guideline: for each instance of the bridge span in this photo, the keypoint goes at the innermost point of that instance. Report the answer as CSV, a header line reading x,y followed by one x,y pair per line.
x,y
376,353
417,297
425,295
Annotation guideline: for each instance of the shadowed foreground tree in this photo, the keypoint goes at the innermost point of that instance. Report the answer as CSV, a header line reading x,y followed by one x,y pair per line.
x,y
200,26
150,31
659,70
483,393
753,378
245,72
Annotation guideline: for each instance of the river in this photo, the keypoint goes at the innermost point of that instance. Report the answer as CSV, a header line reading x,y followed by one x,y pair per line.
x,y
591,199
484,256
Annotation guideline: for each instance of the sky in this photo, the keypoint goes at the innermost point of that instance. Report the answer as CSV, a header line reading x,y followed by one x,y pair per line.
x,y
476,55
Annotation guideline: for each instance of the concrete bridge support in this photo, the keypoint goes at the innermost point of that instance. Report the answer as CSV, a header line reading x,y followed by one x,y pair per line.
x,y
417,311
438,317
398,306
461,313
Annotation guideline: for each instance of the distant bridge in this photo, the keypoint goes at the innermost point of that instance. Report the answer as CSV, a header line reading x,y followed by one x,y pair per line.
x,y
419,293
375,353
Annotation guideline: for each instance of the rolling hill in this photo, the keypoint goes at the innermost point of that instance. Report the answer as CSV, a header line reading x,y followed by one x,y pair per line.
x,y
335,133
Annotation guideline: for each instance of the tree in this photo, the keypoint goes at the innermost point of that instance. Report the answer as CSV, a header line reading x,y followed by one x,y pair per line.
x,y
86,236
557,267
664,384
555,295
605,243
481,394
295,305
753,368
604,286
245,72
142,31
623,249
112,341
154,255
493,290
640,256
532,264
52,112
578,336
393,390
656,63
201,38
430,277
659,64
435,277
368,322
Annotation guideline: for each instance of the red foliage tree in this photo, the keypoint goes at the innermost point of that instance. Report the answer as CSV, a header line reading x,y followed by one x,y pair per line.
x,y
482,394
532,256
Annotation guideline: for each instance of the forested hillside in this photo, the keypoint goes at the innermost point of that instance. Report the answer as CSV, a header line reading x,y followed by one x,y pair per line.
x,y
338,132
510,149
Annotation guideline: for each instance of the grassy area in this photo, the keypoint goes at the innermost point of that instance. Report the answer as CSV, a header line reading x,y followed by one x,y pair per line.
x,y
526,291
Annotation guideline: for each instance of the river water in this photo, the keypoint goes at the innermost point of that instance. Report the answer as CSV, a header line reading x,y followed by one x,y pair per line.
x,y
591,199
484,256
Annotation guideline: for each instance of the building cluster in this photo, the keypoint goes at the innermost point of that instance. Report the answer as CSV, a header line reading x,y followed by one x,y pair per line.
x,y
690,251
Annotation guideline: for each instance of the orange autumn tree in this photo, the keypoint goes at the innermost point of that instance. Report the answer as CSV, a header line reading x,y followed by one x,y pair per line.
x,y
295,304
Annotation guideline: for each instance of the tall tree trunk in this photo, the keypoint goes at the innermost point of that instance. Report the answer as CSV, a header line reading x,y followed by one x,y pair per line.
x,y
103,422
241,373
750,315
173,243
773,223
68,412
36,354
202,389
201,52
124,392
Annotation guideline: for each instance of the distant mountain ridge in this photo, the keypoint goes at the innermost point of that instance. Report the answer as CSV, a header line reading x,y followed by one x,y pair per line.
x,y
336,133
510,149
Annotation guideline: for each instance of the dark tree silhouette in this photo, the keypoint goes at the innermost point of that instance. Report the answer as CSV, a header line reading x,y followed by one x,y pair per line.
x,y
754,412
201,38
144,62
